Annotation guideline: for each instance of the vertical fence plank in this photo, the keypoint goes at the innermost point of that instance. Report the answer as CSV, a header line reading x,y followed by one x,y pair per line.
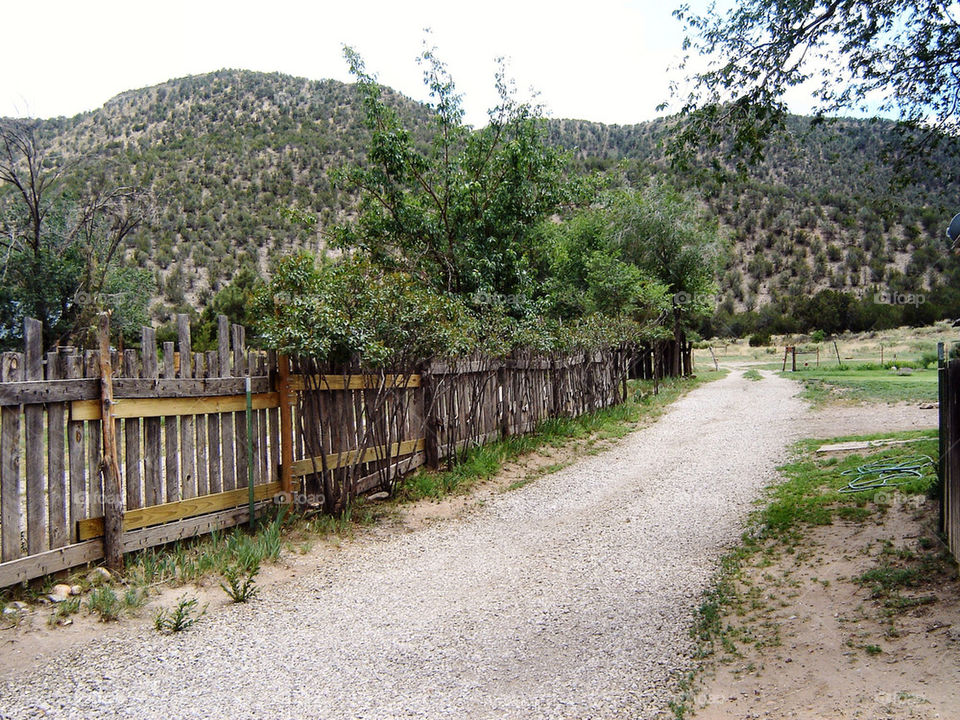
x,y
285,437
214,480
34,441
203,482
131,440
188,457
91,368
152,476
170,435
240,422
112,495
229,474
254,424
262,426
57,488
73,368
11,370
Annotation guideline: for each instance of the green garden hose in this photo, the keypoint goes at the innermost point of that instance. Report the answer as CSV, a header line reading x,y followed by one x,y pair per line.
x,y
888,472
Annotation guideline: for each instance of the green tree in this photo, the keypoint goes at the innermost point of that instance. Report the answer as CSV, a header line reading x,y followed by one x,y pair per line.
x,y
664,234
461,214
898,57
59,240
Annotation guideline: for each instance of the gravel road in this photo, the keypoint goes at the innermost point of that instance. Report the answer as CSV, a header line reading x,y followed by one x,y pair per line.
x,y
568,598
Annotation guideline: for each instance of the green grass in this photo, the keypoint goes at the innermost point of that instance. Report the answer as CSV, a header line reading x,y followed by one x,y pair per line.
x,y
753,374
866,382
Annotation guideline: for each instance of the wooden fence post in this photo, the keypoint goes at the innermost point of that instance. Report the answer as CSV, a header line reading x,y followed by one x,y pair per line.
x,y
286,426
431,446
112,498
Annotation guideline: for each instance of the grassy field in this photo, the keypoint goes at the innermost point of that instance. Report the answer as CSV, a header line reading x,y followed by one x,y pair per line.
x,y
897,346
866,382
891,366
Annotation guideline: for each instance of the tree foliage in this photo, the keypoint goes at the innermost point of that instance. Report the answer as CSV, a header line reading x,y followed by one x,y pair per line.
x,y
459,214
60,241
886,57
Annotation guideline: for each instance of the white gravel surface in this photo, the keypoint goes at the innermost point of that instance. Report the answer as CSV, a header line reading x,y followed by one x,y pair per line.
x,y
568,598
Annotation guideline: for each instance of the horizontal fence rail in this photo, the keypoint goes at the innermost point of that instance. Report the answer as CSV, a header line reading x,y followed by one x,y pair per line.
x,y
320,435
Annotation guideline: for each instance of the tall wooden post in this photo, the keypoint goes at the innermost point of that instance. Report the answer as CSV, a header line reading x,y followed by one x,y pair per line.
x,y
286,426
110,467
431,445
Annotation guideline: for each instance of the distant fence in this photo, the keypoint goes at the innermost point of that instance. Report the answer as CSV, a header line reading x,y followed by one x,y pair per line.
x,y
949,463
320,435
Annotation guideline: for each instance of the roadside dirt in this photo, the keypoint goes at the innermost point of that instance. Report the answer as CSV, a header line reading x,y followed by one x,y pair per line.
x,y
812,644
808,642
36,635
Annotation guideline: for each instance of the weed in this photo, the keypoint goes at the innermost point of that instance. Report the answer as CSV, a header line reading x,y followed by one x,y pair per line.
x,y
180,617
241,583
63,611
873,649
753,374
104,602
134,598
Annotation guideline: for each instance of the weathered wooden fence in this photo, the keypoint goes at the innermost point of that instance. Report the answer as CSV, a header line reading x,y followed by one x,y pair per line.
x,y
180,425
320,435
949,463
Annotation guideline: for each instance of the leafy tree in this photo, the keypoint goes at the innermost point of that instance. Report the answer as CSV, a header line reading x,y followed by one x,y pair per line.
x,y
665,235
897,57
59,240
354,310
460,214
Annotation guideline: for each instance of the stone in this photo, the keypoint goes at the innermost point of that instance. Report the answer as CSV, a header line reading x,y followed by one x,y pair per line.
x,y
76,590
62,590
98,576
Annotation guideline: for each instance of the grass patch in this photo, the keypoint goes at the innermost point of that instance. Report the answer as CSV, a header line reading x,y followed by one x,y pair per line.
x,y
753,374
104,602
866,382
182,616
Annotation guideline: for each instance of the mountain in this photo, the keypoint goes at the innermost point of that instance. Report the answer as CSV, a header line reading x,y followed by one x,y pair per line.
x,y
225,153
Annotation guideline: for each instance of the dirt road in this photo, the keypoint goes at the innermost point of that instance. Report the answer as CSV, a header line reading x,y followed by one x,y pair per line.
x,y
570,597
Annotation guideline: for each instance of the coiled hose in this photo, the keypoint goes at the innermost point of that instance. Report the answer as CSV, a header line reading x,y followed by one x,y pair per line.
x,y
886,473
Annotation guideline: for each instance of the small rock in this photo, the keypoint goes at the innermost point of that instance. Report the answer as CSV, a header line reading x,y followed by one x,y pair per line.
x,y
98,576
76,590
378,496
54,598
17,606
61,590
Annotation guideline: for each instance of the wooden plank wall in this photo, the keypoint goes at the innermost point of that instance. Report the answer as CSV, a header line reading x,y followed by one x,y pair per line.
x,y
50,445
182,432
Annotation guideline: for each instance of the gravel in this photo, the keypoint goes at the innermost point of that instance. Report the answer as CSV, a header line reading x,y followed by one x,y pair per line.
x,y
571,597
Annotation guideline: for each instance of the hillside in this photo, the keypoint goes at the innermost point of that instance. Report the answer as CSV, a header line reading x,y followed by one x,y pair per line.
x,y
224,153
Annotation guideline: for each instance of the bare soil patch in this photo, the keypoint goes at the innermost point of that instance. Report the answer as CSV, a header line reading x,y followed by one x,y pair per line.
x,y
814,643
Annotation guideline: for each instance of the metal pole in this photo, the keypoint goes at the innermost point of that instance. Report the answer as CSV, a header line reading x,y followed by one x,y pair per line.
x,y
249,447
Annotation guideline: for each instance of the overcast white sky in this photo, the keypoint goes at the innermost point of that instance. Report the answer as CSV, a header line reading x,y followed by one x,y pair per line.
x,y
603,60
